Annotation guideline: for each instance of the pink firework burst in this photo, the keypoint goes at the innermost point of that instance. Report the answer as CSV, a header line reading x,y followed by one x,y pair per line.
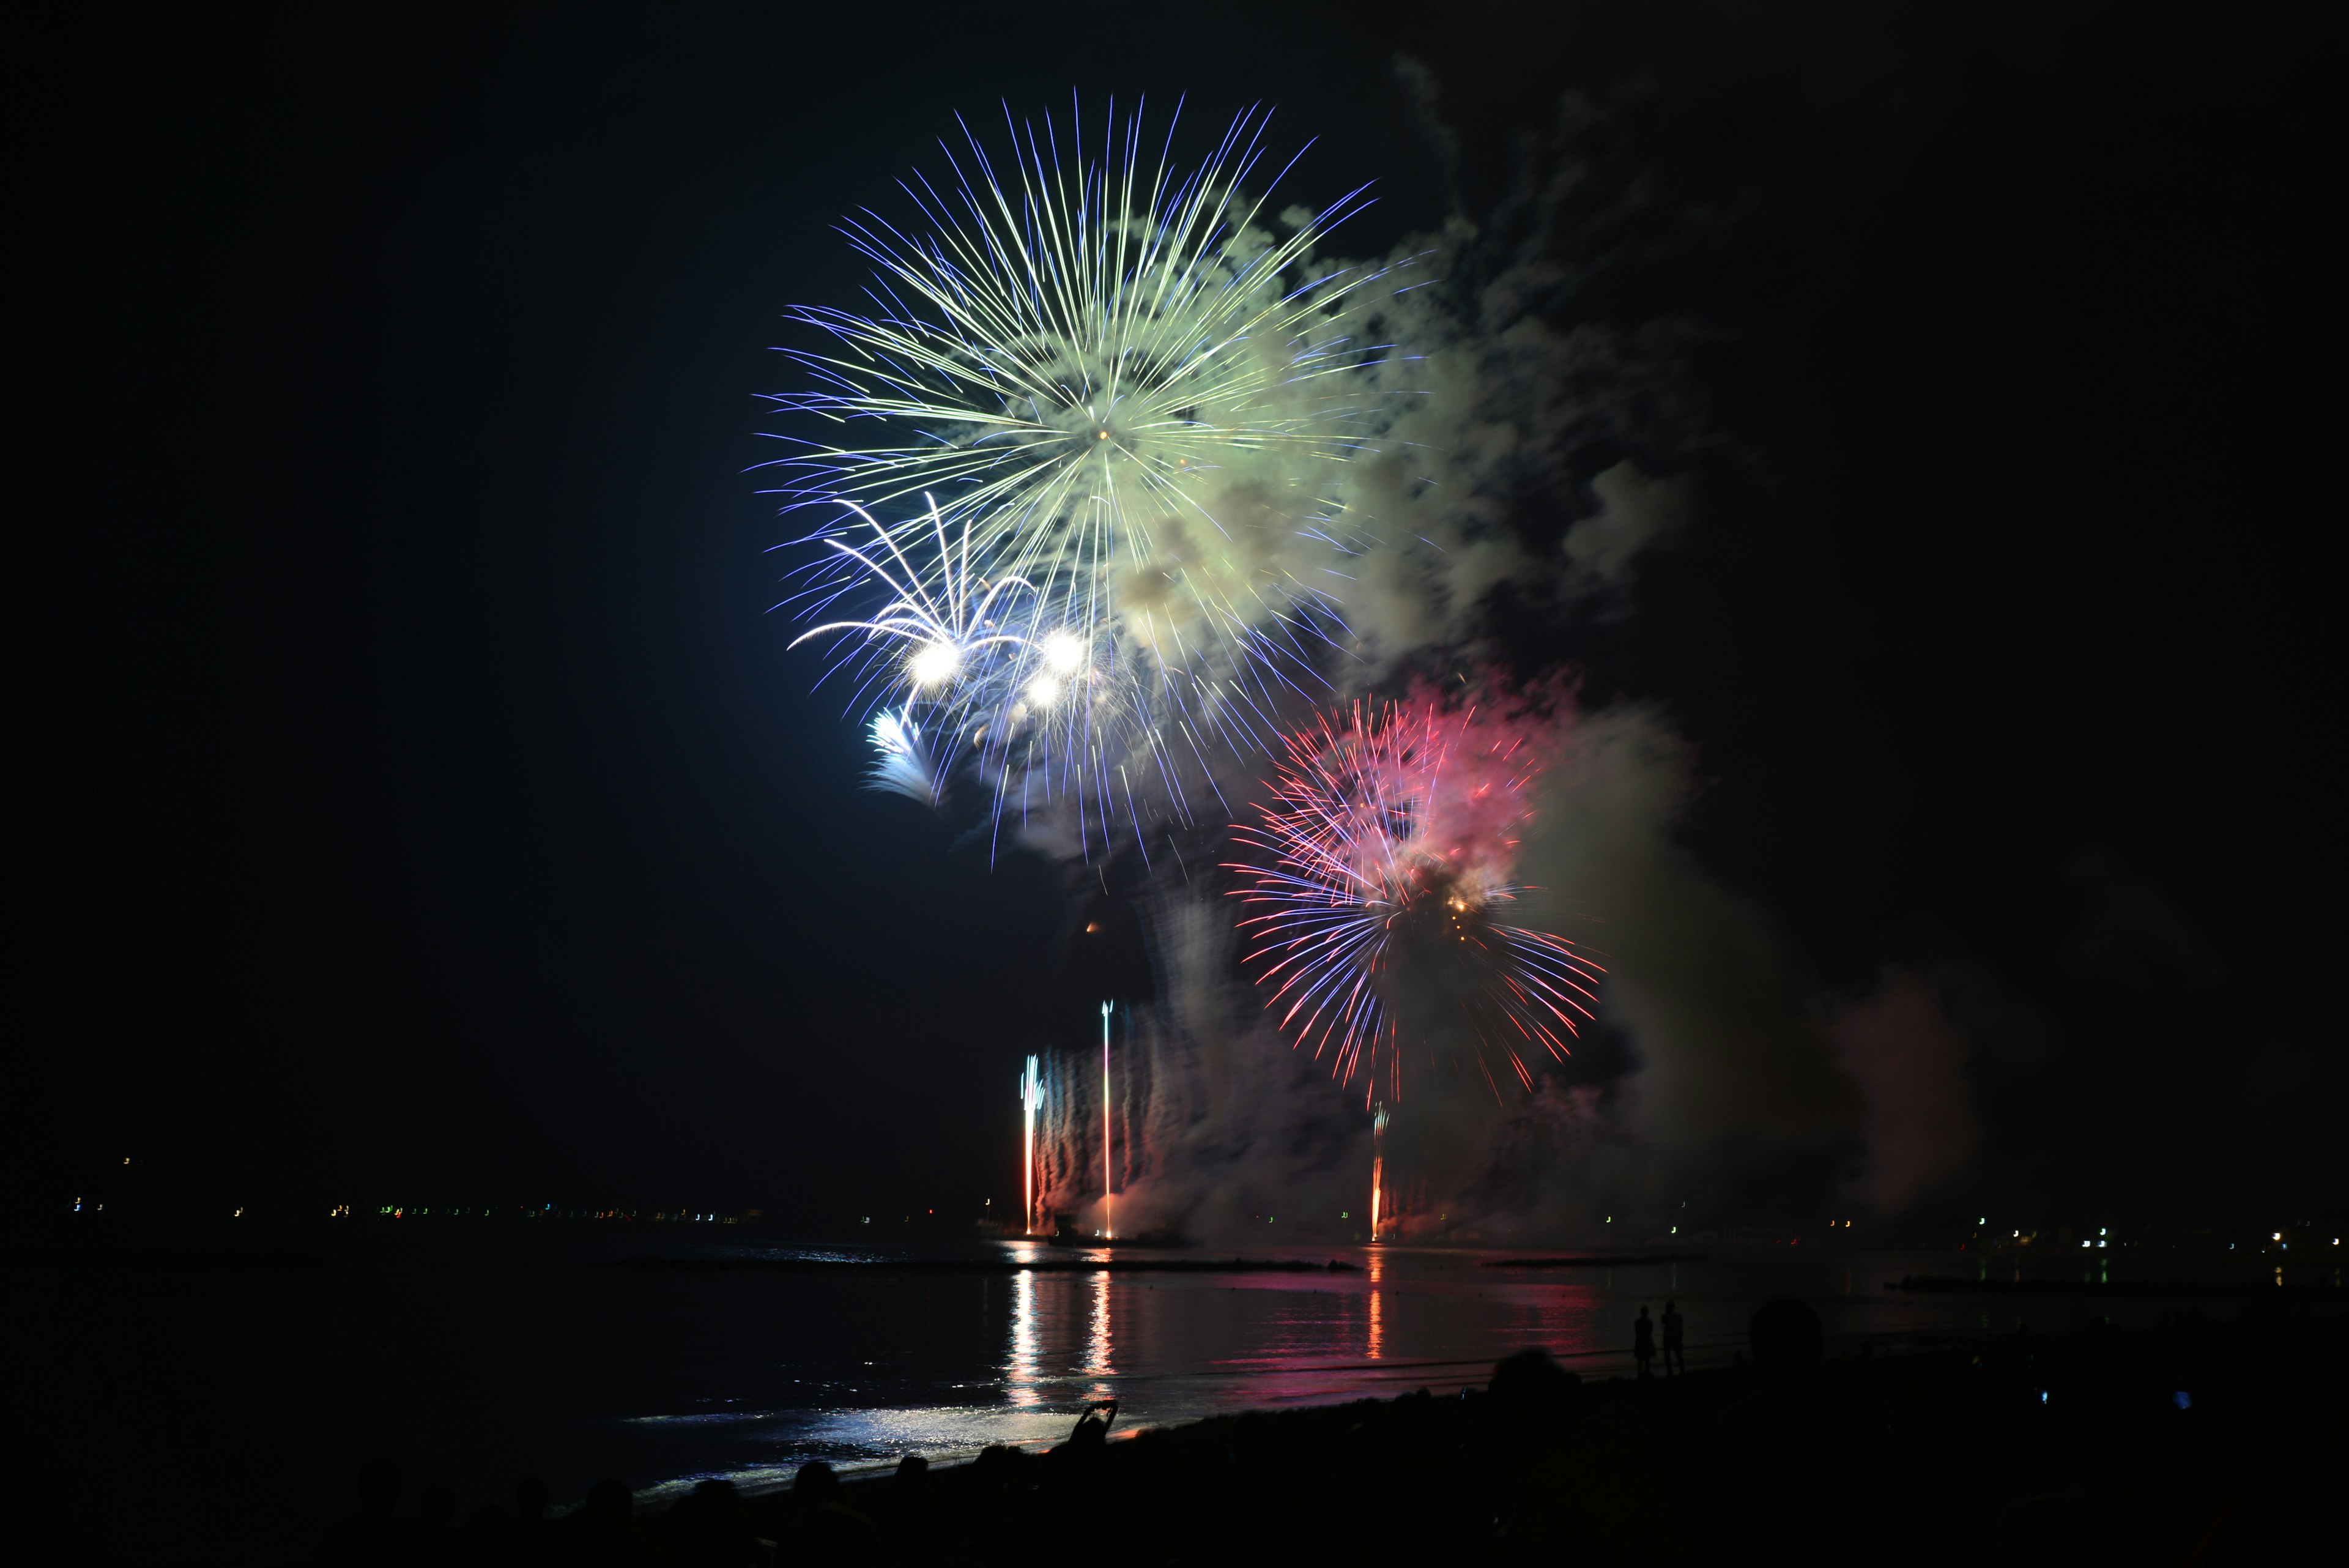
x,y
1385,865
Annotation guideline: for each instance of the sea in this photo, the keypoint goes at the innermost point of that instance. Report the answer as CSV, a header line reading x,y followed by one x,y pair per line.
x,y
220,1411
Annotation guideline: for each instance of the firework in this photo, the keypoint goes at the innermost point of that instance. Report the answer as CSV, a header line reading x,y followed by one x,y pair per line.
x,y
977,665
1031,1096
1134,395
901,760
1385,865
1109,1188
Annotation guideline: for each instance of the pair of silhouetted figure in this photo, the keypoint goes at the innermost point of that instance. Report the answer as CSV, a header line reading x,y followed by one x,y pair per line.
x,y
1644,1340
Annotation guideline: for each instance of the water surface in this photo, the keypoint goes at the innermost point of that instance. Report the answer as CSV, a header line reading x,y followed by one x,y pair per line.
x,y
215,1413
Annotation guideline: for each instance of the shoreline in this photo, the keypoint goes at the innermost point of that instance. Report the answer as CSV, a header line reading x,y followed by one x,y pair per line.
x,y
2098,1444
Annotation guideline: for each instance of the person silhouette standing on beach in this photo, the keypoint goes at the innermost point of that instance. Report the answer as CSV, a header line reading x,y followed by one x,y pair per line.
x,y
1643,1342
1675,1341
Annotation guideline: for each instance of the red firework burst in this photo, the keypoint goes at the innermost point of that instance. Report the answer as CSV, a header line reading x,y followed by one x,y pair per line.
x,y
1386,861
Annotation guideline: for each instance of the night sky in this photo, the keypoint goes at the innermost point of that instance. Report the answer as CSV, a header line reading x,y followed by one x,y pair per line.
x,y
423,807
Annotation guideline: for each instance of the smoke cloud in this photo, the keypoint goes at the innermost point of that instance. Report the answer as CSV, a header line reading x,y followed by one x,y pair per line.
x,y
1718,1076
1909,1060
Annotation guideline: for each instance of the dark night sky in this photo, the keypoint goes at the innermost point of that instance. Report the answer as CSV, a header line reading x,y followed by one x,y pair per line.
x,y
423,804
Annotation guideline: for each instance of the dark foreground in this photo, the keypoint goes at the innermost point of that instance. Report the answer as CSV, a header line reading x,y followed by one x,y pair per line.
x,y
2198,1441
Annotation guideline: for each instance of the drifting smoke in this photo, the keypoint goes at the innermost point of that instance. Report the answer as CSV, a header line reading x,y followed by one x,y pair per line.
x,y
1215,1127
1718,1073
1910,1060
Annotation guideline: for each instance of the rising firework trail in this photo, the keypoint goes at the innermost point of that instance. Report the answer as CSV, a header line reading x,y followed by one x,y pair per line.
x,y
1378,1167
1135,387
1032,1098
1383,869
1108,1228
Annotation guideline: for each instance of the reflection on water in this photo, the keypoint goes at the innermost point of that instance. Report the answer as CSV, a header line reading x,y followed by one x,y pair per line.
x,y
1098,1344
481,1368
1180,1346
1021,1367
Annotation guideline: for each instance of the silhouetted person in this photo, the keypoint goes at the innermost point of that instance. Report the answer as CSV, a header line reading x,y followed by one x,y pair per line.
x,y
1675,1340
1530,1377
1643,1341
492,1536
1796,1429
1091,1434
510,1538
604,1531
826,1530
815,1485
912,1522
435,1539
709,1528
373,1537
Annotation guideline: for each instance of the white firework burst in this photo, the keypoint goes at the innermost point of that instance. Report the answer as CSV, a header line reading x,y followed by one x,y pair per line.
x,y
1135,398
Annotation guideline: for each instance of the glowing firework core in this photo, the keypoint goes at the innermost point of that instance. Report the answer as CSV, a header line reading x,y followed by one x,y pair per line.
x,y
1063,651
934,664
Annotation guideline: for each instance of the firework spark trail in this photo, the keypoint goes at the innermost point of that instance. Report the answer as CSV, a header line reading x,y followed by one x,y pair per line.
x,y
963,650
1386,853
902,764
1136,400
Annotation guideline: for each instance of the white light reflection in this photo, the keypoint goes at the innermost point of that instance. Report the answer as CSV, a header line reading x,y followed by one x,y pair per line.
x,y
1097,1359
1021,1374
